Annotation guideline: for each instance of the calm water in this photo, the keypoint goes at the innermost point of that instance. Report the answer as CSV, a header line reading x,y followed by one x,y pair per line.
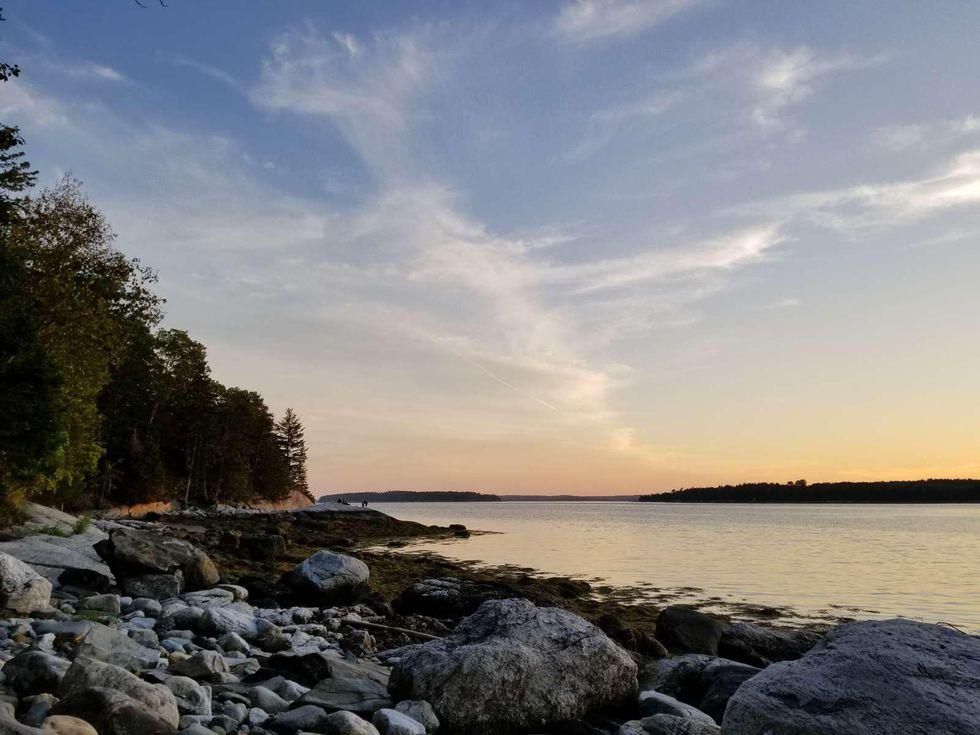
x,y
919,561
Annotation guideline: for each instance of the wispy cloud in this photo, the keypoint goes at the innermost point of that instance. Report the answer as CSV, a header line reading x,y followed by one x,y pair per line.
x,y
206,69
774,80
851,209
728,252
91,70
606,123
586,21
366,89
898,138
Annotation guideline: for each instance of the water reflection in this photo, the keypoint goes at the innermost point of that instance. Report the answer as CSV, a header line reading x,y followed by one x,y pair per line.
x,y
916,561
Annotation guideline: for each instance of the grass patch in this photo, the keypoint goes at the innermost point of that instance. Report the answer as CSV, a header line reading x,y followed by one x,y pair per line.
x,y
82,524
96,616
52,531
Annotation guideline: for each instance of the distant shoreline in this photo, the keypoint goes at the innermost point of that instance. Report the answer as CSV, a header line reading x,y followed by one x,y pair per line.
x,y
894,492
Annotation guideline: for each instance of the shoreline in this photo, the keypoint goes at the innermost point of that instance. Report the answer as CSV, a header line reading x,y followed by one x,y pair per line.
x,y
386,544
278,623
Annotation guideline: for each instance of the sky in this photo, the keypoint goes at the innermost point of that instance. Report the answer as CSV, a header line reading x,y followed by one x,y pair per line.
x,y
569,246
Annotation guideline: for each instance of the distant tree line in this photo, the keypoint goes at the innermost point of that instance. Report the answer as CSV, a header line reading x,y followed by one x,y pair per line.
x,y
894,491
98,404
408,496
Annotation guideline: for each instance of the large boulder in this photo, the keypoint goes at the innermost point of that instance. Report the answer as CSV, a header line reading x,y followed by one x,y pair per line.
x,y
22,590
70,559
86,674
685,630
450,597
758,646
870,677
133,553
330,576
512,666
112,712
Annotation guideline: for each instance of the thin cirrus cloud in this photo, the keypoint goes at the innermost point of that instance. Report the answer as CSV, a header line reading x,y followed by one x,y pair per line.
x,y
899,138
524,305
589,21
855,209
771,81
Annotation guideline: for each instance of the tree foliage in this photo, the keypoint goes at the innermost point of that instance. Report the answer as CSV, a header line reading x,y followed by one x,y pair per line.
x,y
892,491
98,405
292,445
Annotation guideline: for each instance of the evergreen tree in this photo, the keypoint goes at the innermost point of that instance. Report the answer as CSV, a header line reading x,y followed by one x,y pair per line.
x,y
293,447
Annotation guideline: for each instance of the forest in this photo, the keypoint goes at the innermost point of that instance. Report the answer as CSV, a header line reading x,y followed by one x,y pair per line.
x,y
100,405
894,491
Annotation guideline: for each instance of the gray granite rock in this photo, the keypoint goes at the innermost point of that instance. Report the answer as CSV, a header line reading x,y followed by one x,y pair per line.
x,y
685,630
654,703
753,644
69,560
201,666
116,647
237,617
87,673
112,712
362,696
130,552
192,698
35,672
513,666
420,711
308,718
22,590
36,708
393,722
328,574
154,586
346,723
101,603
870,677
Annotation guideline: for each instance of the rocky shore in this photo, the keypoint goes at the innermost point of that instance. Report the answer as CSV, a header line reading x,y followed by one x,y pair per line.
x,y
300,622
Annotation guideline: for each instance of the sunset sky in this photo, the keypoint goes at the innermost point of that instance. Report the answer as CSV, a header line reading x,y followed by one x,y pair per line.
x,y
584,246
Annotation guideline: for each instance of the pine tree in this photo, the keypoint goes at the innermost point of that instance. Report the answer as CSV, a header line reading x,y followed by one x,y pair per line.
x,y
289,432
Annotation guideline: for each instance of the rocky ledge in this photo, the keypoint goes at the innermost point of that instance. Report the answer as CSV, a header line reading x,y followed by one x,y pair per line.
x,y
125,630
